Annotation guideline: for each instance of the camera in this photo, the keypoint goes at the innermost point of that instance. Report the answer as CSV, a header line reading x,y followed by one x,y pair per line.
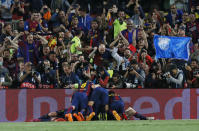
x,y
129,85
130,68
165,75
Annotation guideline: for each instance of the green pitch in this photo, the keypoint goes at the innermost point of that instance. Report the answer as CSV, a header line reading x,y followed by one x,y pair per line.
x,y
156,125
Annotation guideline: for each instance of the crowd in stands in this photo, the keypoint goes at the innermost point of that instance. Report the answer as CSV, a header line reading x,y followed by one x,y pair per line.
x,y
57,43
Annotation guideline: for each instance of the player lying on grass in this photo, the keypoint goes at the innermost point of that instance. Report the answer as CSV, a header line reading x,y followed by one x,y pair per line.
x,y
52,116
78,106
116,105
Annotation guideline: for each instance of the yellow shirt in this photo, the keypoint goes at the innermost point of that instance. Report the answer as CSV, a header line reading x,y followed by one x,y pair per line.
x,y
75,43
118,27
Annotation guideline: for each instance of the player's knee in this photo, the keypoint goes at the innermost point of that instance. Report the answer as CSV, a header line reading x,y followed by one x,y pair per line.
x,y
130,112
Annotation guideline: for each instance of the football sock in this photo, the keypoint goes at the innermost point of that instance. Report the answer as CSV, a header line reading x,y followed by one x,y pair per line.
x,y
141,117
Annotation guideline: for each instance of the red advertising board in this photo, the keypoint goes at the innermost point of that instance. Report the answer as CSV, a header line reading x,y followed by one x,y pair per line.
x,y
26,104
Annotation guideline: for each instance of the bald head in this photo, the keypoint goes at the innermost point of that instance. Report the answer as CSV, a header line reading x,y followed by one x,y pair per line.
x,y
101,48
130,23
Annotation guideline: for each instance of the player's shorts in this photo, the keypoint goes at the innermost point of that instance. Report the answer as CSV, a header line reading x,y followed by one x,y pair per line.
x,y
80,100
100,95
118,106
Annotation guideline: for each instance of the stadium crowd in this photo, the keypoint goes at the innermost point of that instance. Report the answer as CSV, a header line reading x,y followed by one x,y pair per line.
x,y
57,43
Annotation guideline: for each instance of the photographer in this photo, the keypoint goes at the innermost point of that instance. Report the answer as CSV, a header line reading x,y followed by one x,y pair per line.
x,y
6,32
155,77
5,79
175,77
101,76
44,54
10,62
82,69
17,10
116,81
68,77
134,75
29,78
48,76
192,73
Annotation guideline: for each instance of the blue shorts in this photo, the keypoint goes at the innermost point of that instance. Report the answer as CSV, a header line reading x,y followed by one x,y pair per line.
x,y
80,101
100,96
118,106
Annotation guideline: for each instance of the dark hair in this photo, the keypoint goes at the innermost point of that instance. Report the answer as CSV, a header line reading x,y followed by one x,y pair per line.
x,y
35,11
94,21
83,9
140,39
172,66
60,11
45,46
116,74
66,65
52,52
7,24
111,92
78,32
194,60
74,17
99,69
6,50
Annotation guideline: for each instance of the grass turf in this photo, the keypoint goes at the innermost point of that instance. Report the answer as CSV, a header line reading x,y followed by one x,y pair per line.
x,y
136,125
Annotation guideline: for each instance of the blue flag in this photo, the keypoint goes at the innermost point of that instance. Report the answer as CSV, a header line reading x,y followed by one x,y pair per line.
x,y
172,47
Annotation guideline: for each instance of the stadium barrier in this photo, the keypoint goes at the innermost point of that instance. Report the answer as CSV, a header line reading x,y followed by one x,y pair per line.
x,y
19,105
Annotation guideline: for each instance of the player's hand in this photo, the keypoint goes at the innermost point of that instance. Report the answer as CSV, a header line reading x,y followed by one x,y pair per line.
x,y
113,87
21,33
188,68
